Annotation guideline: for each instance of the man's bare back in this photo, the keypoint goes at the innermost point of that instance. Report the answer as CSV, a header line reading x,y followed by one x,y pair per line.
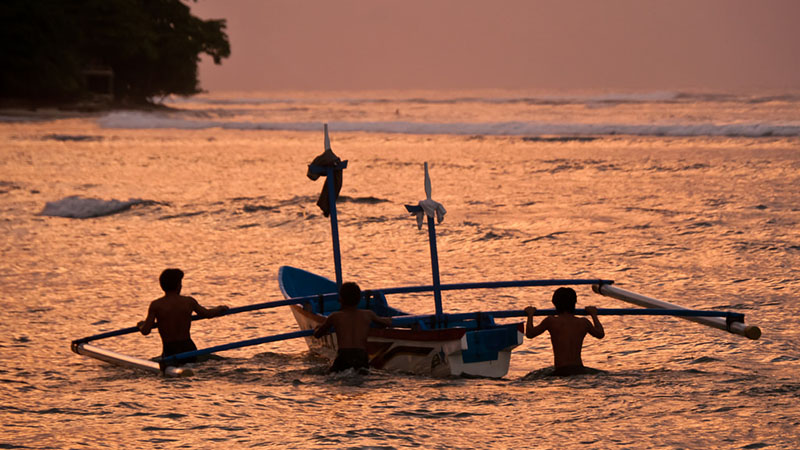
x,y
351,326
566,331
566,335
172,313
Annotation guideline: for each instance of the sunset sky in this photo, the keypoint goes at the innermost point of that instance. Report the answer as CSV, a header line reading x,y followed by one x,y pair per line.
x,y
459,44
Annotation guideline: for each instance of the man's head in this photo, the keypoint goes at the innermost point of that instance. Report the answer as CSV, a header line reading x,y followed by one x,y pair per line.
x,y
349,294
170,280
564,299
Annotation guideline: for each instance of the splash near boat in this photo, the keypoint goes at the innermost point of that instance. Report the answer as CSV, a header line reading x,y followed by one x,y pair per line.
x,y
438,345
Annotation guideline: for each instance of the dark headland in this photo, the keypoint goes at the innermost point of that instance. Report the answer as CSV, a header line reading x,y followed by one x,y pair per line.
x,y
90,56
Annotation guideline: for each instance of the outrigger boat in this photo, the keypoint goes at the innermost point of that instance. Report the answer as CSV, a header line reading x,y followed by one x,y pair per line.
x,y
440,344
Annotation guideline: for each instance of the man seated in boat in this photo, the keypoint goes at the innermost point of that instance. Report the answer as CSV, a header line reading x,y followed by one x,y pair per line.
x,y
351,326
172,314
566,332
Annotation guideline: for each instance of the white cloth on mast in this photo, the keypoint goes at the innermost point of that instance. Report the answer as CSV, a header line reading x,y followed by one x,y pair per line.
x,y
431,208
326,159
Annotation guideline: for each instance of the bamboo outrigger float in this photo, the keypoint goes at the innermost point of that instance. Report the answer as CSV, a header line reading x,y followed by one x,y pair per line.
x,y
733,323
439,344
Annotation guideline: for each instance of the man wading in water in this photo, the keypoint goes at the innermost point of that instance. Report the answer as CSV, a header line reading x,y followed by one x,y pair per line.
x,y
351,326
566,332
172,314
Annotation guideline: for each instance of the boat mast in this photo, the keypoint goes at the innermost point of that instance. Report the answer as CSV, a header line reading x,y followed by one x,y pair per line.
x,y
417,209
328,171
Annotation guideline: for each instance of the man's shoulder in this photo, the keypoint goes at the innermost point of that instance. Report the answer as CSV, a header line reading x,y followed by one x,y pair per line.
x,y
579,320
168,301
367,313
352,314
336,315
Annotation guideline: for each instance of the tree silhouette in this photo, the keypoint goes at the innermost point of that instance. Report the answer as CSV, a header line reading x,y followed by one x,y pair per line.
x,y
152,46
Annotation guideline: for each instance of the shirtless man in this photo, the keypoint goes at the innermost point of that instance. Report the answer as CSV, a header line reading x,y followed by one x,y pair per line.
x,y
351,326
566,332
172,314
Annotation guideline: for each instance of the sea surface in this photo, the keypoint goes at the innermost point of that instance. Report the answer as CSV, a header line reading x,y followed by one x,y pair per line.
x,y
689,197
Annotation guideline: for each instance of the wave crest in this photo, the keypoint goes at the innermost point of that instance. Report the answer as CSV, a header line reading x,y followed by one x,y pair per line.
x,y
76,207
144,120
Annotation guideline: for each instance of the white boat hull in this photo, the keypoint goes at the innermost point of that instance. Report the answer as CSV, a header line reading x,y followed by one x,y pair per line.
x,y
436,353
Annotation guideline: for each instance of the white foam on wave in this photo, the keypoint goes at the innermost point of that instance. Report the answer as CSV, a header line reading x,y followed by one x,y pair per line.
x,y
143,120
589,99
610,97
656,96
226,101
77,207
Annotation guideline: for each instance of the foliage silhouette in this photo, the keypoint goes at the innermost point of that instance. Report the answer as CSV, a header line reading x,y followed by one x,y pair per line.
x,y
152,47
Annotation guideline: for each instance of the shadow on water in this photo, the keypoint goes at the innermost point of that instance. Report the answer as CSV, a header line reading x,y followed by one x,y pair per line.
x,y
710,381
263,369
282,369
550,373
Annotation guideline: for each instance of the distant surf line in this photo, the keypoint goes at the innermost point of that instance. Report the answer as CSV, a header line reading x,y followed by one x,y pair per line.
x,y
147,120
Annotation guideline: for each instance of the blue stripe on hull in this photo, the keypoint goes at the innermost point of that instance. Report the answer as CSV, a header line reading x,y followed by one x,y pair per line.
x,y
484,345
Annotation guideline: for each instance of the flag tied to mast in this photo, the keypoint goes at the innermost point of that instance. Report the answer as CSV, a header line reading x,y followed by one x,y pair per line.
x,y
326,159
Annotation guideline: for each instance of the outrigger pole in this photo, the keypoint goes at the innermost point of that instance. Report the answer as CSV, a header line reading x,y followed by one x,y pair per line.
x,y
731,324
119,359
492,285
173,359
236,310
680,312
84,346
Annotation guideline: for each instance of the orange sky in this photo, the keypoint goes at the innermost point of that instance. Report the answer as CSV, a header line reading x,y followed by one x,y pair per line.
x,y
454,44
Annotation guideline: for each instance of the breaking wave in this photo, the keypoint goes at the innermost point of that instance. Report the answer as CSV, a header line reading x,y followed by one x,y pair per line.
x,y
546,99
143,120
76,207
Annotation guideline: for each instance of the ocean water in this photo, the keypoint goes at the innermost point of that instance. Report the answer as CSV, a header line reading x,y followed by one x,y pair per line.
x,y
691,198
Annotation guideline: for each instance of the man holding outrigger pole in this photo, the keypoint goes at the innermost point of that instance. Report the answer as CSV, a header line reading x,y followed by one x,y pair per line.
x,y
566,332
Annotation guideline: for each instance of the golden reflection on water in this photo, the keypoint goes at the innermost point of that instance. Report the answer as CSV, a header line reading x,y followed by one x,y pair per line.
x,y
706,224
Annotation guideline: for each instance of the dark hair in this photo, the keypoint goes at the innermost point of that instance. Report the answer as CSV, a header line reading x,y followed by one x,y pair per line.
x,y
170,279
564,299
349,294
